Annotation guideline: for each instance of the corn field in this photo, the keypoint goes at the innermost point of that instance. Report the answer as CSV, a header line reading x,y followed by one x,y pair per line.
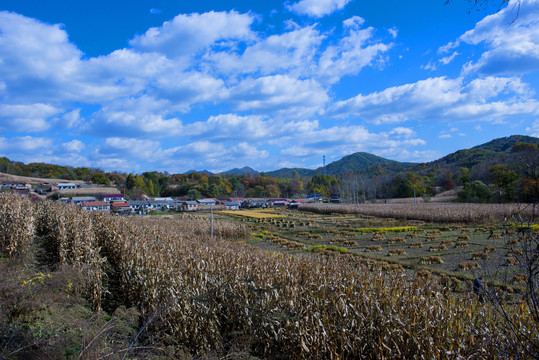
x,y
206,293
436,212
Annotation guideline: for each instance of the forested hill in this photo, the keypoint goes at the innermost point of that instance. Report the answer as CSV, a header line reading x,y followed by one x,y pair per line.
x,y
367,164
496,150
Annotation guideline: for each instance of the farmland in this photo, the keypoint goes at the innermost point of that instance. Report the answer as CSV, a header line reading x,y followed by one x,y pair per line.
x,y
250,290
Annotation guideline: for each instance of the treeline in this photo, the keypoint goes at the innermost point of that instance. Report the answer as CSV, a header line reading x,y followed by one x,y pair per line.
x,y
501,177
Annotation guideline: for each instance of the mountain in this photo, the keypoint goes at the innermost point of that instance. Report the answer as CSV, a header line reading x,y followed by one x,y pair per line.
x,y
367,164
289,172
506,143
246,170
493,151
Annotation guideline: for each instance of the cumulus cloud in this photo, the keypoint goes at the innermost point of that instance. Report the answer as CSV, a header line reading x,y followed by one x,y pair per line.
x,y
512,40
26,118
132,117
73,146
355,50
293,50
442,99
317,8
279,94
25,143
185,35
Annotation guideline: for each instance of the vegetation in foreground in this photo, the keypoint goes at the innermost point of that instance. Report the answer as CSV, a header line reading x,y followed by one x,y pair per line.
x,y
193,294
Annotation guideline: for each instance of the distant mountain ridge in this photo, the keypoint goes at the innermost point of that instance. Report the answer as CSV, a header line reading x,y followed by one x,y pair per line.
x,y
372,165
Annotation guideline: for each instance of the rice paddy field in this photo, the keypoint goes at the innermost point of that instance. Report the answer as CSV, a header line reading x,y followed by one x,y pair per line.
x,y
460,249
301,284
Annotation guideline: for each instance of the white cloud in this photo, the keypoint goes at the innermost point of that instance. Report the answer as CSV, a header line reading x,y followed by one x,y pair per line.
x,y
293,50
318,8
351,54
73,146
446,60
135,117
186,35
442,99
26,118
279,94
512,40
533,130
25,144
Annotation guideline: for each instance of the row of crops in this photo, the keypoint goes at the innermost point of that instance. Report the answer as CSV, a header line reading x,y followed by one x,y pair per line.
x,y
205,293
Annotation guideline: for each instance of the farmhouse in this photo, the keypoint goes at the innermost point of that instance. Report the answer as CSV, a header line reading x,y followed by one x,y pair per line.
x,y
233,205
207,201
113,197
278,202
95,206
78,200
189,206
66,186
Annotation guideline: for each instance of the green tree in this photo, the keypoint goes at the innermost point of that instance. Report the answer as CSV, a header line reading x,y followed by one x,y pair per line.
x,y
100,178
505,180
151,188
474,191
194,194
130,182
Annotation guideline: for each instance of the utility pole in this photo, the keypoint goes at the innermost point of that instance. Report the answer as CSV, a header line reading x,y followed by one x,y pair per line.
x,y
211,216
324,160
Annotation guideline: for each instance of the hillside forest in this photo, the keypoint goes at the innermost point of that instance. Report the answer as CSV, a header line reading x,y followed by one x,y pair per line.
x,y
503,170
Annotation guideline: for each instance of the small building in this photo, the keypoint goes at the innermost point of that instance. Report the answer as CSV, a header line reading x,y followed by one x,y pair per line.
x,y
95,206
138,205
233,205
113,197
207,201
66,186
189,206
294,204
78,200
256,203
278,202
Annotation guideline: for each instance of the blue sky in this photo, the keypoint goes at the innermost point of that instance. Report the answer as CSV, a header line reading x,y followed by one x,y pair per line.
x,y
171,85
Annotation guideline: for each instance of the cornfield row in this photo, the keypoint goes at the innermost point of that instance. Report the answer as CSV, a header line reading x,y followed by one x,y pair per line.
x,y
438,212
210,292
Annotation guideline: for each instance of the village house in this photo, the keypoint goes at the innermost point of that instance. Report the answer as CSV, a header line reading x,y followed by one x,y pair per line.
x,y
95,206
66,186
78,200
278,202
113,197
189,206
233,205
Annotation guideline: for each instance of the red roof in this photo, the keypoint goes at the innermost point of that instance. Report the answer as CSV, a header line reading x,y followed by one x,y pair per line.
x,y
95,203
120,204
